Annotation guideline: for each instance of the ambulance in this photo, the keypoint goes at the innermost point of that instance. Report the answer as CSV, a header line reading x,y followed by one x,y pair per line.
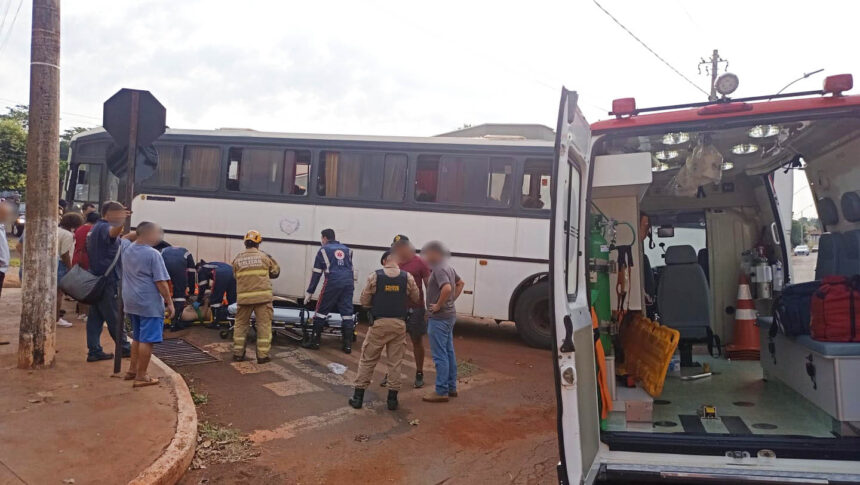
x,y
681,202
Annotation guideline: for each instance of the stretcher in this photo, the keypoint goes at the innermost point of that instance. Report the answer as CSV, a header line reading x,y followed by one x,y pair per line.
x,y
289,321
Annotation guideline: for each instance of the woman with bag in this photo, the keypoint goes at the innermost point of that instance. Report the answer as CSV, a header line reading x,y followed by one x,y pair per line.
x,y
65,249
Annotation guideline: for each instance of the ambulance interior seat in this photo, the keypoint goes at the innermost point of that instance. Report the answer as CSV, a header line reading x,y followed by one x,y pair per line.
x,y
704,263
849,260
684,300
829,250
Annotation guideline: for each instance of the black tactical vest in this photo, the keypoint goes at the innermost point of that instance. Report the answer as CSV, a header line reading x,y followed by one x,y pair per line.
x,y
389,301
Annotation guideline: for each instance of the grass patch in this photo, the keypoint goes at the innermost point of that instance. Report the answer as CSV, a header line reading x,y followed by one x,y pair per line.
x,y
221,444
199,398
15,262
466,368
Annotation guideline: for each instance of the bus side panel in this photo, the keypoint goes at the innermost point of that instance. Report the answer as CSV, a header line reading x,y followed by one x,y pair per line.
x,y
291,258
496,282
532,239
212,249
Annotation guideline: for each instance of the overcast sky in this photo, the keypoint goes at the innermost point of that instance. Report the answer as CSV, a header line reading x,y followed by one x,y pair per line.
x,y
403,68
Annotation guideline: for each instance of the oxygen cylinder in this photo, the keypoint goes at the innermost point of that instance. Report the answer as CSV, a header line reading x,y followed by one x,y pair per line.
x,y
598,278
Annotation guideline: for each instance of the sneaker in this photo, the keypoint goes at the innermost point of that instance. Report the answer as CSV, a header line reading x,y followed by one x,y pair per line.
x,y
99,356
433,397
82,317
452,393
64,323
264,360
419,380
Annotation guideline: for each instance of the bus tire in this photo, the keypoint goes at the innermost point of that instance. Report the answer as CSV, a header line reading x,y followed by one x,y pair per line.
x,y
532,317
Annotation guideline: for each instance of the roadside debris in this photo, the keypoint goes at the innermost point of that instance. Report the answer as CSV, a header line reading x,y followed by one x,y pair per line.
x,y
414,422
220,444
362,438
338,369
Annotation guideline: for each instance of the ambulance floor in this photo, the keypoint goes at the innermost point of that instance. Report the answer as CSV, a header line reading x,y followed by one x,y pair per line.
x,y
745,404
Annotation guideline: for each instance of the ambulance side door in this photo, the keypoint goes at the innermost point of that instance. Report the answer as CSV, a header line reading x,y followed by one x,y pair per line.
x,y
573,348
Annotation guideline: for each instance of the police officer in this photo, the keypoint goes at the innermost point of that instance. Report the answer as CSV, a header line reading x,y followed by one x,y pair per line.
x,y
218,279
254,269
387,293
183,276
335,261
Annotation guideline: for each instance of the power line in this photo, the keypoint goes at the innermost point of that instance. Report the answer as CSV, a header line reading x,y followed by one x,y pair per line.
x,y
66,113
11,25
664,61
5,15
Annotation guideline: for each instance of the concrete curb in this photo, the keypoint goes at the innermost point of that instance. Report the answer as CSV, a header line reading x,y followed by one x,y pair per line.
x,y
176,458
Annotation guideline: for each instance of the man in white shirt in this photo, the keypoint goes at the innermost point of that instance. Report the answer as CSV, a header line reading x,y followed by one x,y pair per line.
x,y
65,248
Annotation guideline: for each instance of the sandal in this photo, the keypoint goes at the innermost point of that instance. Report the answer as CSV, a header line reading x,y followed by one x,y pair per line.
x,y
129,376
146,381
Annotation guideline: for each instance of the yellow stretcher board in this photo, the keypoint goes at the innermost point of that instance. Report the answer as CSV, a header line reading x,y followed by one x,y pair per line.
x,y
648,348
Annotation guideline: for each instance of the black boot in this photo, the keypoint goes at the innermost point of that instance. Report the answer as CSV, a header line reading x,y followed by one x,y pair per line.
x,y
348,338
392,400
314,342
358,398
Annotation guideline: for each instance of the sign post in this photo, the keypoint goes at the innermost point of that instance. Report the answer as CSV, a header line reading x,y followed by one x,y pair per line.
x,y
132,117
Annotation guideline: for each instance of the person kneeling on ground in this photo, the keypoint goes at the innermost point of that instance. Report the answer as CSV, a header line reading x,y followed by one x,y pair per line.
x,y
387,293
443,287
145,296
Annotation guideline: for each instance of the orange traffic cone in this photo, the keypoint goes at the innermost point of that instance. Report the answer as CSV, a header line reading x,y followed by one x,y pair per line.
x,y
745,344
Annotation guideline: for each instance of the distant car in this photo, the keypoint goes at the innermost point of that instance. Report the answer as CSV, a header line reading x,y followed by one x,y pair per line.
x,y
801,250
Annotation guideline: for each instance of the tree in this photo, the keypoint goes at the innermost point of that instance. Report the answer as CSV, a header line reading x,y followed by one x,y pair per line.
x,y
20,113
796,232
13,155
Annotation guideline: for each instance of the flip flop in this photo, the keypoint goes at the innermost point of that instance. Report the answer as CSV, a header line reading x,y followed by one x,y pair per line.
x,y
149,381
129,376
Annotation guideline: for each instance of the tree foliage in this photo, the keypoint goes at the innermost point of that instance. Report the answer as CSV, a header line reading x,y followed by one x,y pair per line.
x,y
796,232
13,155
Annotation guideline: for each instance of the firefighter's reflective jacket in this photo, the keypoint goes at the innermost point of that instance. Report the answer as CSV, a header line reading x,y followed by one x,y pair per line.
x,y
253,269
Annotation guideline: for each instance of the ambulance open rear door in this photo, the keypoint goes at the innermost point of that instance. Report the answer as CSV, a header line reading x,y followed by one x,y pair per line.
x,y
573,341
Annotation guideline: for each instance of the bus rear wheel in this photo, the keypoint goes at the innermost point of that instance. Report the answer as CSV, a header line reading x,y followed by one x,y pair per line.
x,y
531,315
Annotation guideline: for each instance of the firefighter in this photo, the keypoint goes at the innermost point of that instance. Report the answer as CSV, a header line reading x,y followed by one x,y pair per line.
x,y
335,261
254,269
217,278
183,276
387,293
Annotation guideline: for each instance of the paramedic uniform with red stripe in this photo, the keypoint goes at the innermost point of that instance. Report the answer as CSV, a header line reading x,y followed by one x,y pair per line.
x,y
334,261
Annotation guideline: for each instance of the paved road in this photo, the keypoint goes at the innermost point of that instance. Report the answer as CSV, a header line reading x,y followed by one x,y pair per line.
x,y
501,429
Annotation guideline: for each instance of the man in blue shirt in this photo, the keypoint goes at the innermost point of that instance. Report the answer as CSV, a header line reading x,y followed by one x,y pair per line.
x,y
335,261
183,274
217,278
145,297
103,242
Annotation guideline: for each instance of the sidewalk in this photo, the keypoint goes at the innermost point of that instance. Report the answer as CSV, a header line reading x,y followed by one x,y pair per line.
x,y
74,421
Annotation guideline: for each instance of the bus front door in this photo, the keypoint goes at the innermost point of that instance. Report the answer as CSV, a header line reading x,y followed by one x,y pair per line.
x,y
573,344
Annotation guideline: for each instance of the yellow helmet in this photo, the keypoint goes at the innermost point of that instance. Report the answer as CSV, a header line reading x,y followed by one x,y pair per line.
x,y
254,236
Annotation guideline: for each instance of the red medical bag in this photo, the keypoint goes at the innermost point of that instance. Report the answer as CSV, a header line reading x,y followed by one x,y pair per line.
x,y
836,310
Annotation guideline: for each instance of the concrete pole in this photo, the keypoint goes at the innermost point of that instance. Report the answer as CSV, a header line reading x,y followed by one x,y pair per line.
x,y
36,345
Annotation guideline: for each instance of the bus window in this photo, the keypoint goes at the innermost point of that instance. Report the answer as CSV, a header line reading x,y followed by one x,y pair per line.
x,y
362,175
255,170
169,166
469,180
394,177
200,167
500,182
536,184
298,163
88,183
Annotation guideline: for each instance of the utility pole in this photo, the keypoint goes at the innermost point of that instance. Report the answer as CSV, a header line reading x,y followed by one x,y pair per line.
x,y
712,67
36,341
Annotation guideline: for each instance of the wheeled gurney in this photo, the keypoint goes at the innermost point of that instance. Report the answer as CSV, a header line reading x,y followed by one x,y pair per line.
x,y
288,321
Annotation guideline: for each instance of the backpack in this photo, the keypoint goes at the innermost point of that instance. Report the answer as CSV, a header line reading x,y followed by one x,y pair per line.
x,y
791,309
835,309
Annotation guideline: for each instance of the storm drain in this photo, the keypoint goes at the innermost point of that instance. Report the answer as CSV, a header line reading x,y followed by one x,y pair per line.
x,y
176,352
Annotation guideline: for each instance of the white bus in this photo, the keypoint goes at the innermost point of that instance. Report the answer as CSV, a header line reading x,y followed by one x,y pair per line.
x,y
487,199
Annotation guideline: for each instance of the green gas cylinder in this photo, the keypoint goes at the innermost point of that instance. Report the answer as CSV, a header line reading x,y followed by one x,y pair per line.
x,y
598,279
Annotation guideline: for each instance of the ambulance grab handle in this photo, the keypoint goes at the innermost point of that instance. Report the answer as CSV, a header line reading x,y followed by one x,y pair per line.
x,y
774,232
567,343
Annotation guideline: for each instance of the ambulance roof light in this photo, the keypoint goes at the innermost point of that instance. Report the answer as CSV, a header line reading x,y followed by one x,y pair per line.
x,y
839,83
623,106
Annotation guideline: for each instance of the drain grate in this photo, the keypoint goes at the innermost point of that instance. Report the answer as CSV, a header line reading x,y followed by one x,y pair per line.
x,y
176,352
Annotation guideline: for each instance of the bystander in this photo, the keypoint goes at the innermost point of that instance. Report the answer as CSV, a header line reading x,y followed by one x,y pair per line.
x,y
69,223
145,298
103,243
443,288
5,256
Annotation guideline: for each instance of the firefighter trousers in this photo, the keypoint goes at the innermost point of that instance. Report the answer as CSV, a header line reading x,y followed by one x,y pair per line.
x,y
388,334
263,319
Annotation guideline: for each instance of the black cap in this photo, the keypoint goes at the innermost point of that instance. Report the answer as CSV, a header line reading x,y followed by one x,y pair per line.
x,y
399,239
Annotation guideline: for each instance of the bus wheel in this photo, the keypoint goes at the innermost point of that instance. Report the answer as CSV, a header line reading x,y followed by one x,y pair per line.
x,y
532,317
